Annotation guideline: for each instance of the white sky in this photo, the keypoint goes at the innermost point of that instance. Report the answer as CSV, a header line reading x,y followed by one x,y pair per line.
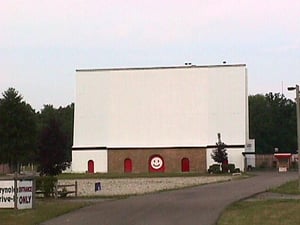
x,y
43,42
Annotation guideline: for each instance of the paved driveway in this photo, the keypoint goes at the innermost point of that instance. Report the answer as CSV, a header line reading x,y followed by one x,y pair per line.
x,y
199,205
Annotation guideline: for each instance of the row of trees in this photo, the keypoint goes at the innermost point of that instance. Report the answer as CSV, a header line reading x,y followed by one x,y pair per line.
x,y
272,123
26,136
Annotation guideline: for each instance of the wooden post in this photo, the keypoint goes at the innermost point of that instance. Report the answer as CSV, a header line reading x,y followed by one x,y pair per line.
x,y
76,188
56,190
33,192
15,191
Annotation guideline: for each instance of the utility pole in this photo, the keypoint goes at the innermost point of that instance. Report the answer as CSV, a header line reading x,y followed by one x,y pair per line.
x,y
298,126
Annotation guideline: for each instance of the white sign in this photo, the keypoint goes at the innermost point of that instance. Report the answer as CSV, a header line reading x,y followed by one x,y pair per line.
x,y
282,169
24,194
7,194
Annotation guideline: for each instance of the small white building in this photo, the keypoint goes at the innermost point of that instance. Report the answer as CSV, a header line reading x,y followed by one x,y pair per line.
x,y
127,117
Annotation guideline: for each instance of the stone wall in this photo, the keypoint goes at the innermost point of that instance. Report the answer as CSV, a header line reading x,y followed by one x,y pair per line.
x,y
129,186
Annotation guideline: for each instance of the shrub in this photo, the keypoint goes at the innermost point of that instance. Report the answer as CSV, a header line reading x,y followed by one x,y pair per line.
x,y
237,170
215,168
46,185
231,167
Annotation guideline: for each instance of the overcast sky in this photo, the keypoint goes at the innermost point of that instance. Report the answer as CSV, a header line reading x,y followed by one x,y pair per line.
x,y
42,42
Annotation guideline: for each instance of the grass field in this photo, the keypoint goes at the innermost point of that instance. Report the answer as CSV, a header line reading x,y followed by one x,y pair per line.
x,y
44,210
288,188
265,212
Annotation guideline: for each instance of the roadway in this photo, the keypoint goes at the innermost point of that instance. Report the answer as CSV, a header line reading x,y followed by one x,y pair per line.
x,y
200,205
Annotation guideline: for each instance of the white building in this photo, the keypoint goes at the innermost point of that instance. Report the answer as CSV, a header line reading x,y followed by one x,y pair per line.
x,y
152,110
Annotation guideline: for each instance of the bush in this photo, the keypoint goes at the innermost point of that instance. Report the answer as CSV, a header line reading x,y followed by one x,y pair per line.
x,y
46,185
231,167
215,168
236,170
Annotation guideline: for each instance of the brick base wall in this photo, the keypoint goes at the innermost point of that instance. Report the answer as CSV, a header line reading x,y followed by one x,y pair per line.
x,y
172,159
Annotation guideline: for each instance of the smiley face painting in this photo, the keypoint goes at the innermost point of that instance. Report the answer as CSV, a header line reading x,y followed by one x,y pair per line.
x,y
156,164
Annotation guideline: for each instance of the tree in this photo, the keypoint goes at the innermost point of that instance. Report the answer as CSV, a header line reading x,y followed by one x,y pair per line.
x,y
17,130
272,123
64,116
219,154
53,143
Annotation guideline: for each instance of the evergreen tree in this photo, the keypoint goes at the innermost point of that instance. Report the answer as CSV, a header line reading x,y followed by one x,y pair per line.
x,y
17,130
219,154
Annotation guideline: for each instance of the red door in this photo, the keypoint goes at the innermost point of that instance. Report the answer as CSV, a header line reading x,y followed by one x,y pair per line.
x,y
127,166
91,166
185,165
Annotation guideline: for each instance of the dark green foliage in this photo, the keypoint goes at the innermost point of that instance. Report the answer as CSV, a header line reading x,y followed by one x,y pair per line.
x,y
17,130
272,123
237,170
231,167
22,133
53,145
64,115
215,168
46,185
219,154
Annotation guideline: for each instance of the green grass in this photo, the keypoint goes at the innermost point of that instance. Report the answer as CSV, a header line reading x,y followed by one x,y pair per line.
x,y
266,212
44,210
288,188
